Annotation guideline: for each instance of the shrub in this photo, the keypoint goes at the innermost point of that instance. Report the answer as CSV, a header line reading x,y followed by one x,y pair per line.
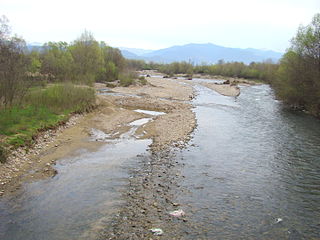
x,y
142,80
127,78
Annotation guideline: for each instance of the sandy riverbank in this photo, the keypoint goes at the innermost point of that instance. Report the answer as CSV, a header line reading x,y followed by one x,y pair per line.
x,y
112,117
224,89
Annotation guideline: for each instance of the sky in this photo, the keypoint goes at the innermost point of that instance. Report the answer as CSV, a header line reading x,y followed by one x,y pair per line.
x,y
151,24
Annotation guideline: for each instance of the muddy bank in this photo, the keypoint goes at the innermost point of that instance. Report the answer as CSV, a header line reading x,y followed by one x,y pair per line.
x,y
112,117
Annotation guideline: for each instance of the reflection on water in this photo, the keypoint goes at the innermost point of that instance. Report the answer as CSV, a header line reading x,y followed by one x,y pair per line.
x,y
73,202
254,163
253,173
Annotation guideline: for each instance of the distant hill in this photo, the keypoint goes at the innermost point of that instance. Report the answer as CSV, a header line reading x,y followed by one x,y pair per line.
x,y
34,46
136,51
206,53
129,55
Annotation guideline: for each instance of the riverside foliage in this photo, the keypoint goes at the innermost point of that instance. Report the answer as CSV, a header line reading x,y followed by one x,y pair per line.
x,y
298,77
41,87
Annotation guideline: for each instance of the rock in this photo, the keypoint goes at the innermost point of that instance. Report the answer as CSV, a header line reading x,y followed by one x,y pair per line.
x,y
177,213
226,82
156,231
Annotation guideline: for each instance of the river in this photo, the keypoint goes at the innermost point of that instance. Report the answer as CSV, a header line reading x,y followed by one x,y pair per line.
x,y
251,171
255,170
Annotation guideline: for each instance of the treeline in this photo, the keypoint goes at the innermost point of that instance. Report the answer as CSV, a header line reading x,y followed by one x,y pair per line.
x,y
83,61
265,71
41,87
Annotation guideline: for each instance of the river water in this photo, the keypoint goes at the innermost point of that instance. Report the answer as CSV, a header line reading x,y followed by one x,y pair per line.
x,y
254,172
251,171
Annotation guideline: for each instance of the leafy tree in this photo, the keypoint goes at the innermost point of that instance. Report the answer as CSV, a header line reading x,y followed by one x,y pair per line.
x,y
57,61
88,58
35,62
298,80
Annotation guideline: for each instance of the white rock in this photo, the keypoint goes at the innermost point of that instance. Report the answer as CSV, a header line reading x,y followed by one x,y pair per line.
x,y
156,231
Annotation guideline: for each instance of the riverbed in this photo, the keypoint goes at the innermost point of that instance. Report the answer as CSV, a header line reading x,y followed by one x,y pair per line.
x,y
250,171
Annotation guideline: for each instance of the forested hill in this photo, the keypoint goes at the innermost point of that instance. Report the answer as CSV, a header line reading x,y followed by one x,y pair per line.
x,y
204,53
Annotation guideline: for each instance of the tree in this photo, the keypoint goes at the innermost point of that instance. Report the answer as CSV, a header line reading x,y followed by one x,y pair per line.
x,y
57,61
87,57
13,66
35,62
298,81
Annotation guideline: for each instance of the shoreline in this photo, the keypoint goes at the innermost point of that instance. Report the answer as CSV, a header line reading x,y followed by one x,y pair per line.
x,y
224,89
113,115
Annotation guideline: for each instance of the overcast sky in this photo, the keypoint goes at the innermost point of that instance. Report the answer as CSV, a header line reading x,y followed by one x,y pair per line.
x,y
150,24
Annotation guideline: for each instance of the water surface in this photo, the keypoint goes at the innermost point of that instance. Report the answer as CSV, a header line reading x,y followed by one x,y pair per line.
x,y
254,172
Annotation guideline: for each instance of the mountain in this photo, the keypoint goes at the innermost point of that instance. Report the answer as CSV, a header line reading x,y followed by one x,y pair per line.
x,y
34,46
136,51
208,53
129,55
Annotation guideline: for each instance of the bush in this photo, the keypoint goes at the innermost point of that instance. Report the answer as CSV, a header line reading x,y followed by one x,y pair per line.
x,y
127,79
142,80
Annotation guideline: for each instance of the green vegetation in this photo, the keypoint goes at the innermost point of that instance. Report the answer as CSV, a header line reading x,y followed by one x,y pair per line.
x,y
126,78
265,71
142,80
59,98
298,80
43,109
20,125
84,61
40,89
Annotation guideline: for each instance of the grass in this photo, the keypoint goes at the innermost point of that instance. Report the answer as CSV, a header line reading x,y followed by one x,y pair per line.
x,y
20,124
62,97
42,108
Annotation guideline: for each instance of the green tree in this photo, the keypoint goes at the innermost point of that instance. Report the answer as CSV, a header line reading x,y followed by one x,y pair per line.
x,y
35,62
88,58
57,61
298,80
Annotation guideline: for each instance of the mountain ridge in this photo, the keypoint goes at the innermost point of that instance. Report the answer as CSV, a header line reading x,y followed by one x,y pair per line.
x,y
199,53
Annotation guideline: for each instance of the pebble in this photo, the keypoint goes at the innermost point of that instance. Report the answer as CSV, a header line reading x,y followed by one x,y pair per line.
x,y
177,213
156,231
19,155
